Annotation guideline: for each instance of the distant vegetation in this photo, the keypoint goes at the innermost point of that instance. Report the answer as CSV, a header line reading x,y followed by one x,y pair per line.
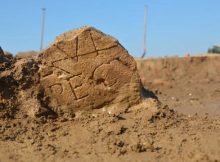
x,y
214,49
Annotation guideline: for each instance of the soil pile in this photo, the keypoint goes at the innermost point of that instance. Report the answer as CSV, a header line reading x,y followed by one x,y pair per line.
x,y
187,84
7,85
18,77
148,131
203,68
82,100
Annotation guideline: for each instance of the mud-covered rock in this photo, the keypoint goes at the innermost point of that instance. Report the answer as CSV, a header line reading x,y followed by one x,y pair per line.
x,y
83,69
86,69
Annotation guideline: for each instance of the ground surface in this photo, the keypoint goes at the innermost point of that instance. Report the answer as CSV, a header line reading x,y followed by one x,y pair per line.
x,y
190,85
149,131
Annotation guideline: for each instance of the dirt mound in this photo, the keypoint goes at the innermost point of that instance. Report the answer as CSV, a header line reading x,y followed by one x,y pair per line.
x,y
27,54
86,69
6,60
146,131
7,85
82,100
187,84
194,69
19,88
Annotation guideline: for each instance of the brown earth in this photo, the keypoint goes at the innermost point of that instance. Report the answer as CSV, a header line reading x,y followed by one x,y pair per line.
x,y
143,133
32,130
190,85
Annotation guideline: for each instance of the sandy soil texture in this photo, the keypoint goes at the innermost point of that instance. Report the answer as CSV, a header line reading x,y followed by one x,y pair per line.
x,y
183,124
147,132
190,85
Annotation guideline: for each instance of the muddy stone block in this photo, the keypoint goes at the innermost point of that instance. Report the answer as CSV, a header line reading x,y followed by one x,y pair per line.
x,y
89,70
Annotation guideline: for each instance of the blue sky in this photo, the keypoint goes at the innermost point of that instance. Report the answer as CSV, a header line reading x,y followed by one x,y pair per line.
x,y
175,27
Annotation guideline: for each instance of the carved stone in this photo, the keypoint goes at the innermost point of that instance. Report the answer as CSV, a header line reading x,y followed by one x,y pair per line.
x,y
86,69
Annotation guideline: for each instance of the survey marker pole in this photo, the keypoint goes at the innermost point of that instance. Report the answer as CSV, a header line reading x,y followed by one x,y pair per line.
x,y
42,28
145,32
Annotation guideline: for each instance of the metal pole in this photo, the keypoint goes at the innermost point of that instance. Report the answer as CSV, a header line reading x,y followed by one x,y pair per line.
x,y
42,28
145,32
